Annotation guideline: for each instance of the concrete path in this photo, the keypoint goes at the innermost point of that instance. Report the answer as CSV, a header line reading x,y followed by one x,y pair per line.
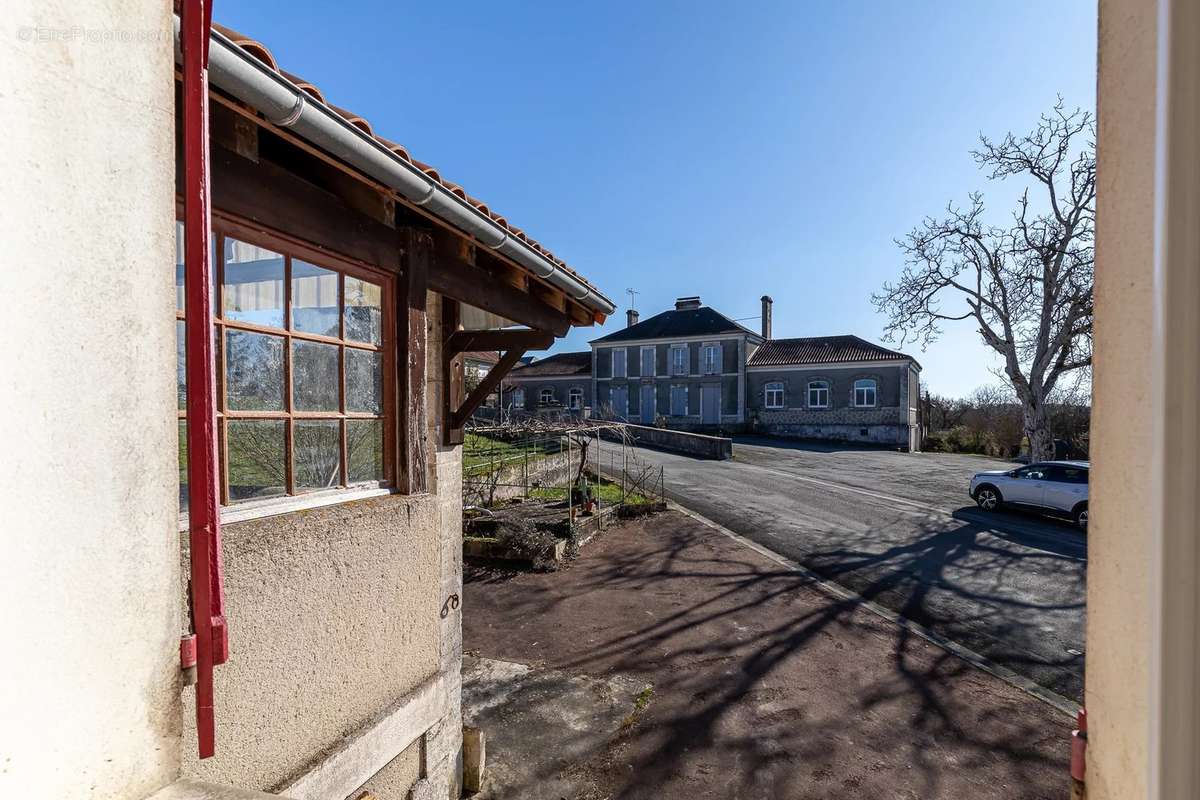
x,y
762,685
899,529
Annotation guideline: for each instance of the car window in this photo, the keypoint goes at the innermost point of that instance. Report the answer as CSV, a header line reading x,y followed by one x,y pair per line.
x,y
1032,473
1074,474
1066,474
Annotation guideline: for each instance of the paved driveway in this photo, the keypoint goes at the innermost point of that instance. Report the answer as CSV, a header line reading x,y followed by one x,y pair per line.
x,y
899,529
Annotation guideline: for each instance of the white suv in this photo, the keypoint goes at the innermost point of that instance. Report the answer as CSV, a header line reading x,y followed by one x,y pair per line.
x,y
1060,487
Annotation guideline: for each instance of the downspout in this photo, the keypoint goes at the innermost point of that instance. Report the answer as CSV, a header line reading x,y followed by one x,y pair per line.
x,y
284,104
210,645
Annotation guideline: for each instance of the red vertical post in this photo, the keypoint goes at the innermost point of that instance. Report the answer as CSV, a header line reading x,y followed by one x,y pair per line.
x,y
208,613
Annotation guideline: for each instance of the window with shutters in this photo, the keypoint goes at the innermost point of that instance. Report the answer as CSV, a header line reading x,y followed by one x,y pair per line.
x,y
679,359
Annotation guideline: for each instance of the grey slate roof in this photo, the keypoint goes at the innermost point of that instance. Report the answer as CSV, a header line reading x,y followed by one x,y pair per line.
x,y
565,364
821,350
702,321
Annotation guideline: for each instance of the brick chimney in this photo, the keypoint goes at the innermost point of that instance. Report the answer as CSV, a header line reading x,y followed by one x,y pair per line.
x,y
684,303
767,302
631,318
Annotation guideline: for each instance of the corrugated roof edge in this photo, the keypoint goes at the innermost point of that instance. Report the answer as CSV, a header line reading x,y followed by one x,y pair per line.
x,y
512,240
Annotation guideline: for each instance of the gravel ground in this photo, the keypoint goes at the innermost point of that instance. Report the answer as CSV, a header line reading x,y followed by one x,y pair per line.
x,y
899,529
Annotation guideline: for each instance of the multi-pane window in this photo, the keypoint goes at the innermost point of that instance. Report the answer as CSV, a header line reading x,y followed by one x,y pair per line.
x,y
773,395
864,392
575,398
518,398
300,349
648,362
818,394
679,401
679,359
546,397
712,359
618,363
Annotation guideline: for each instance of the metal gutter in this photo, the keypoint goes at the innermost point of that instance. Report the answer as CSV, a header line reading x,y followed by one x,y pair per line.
x,y
284,104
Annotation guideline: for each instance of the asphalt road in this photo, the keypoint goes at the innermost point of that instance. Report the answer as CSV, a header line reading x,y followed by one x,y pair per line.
x,y
900,530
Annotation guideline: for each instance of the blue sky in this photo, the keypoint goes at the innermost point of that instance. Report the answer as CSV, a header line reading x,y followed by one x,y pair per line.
x,y
720,149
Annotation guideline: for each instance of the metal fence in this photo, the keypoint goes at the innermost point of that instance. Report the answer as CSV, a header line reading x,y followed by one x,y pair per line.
x,y
562,466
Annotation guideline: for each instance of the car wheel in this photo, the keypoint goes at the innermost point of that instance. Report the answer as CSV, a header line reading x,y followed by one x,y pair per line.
x,y
988,498
1081,517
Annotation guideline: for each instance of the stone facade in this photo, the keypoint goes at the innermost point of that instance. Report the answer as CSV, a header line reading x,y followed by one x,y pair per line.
x,y
892,420
559,388
725,383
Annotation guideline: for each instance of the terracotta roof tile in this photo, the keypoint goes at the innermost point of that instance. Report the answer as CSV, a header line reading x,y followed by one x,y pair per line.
x,y
259,51
558,364
821,350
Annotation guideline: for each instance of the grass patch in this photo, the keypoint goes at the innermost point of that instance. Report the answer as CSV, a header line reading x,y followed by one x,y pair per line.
x,y
483,454
639,705
607,492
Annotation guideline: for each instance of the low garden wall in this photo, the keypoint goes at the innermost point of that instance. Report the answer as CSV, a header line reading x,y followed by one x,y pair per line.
x,y
718,448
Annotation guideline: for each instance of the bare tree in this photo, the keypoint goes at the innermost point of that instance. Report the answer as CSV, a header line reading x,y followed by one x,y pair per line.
x,y
1027,285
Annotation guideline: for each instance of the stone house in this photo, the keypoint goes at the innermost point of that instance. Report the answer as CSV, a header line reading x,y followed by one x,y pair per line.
x,y
233,564
686,365
840,388
693,368
558,381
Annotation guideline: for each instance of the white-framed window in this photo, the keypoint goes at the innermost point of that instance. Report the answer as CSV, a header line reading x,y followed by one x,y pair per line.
x,y
546,397
518,398
679,359
773,395
712,359
818,394
575,398
619,365
679,401
864,392
648,367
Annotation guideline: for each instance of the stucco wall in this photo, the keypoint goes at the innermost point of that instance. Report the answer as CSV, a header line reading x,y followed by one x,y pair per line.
x,y
1120,533
89,574
394,781
333,616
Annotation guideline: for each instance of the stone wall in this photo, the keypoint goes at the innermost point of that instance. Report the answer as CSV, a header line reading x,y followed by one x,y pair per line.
x,y
694,444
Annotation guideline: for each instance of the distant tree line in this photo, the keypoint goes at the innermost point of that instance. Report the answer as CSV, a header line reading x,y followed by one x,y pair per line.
x,y
991,421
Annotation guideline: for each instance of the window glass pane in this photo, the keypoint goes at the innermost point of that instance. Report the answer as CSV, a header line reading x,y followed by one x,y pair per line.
x,y
253,371
317,445
180,365
256,458
315,303
180,244
253,288
315,380
179,250
364,449
364,381
183,466
364,311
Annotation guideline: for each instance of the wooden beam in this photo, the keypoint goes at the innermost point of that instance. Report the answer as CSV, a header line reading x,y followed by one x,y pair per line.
x,y
453,277
463,341
416,248
270,195
485,387
452,373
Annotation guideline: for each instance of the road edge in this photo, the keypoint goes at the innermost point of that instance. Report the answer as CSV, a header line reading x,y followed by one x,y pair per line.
x,y
1062,704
